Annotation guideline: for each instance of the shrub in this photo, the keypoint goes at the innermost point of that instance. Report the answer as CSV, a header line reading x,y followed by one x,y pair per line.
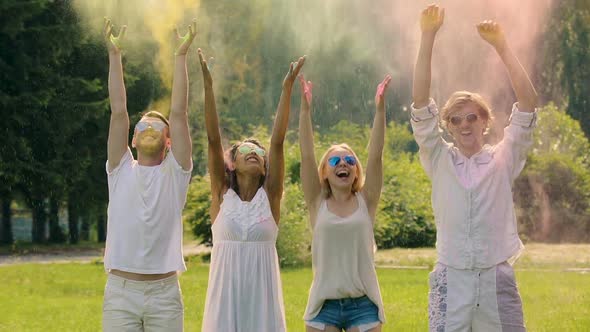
x,y
294,242
553,192
405,218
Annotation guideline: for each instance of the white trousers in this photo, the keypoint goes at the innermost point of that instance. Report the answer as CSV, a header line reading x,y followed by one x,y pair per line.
x,y
474,300
131,305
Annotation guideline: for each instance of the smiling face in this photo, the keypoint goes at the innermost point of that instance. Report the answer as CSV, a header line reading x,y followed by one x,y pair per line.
x,y
467,117
467,126
151,136
249,158
340,170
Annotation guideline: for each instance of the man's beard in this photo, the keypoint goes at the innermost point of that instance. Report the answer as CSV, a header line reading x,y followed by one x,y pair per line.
x,y
152,149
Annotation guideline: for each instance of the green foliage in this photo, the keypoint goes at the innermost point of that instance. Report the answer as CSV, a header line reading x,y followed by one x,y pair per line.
x,y
294,241
196,211
558,133
353,134
567,59
405,214
54,101
399,139
553,199
553,191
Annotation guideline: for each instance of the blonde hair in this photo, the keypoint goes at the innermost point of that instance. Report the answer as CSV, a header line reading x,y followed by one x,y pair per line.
x,y
358,183
461,98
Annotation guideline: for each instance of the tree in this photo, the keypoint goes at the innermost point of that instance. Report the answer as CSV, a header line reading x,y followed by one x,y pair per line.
x,y
567,59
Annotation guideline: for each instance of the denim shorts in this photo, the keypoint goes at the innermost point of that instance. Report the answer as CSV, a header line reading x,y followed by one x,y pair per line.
x,y
346,313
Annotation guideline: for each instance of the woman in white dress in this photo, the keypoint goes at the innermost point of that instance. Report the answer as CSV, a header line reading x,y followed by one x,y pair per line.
x,y
244,293
345,291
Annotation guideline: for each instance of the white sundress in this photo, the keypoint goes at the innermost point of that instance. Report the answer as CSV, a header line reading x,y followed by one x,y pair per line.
x,y
244,292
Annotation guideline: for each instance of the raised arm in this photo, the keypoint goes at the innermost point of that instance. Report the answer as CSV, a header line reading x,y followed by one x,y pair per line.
x,y
431,20
276,156
310,178
215,148
374,179
424,112
179,132
119,123
526,95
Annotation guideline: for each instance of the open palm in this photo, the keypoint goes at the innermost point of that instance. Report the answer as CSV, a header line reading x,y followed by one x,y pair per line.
x,y
113,42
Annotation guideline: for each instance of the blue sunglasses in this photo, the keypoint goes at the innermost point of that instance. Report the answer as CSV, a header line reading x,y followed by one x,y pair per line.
x,y
156,125
334,161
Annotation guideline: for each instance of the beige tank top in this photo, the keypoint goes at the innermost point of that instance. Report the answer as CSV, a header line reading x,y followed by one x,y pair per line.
x,y
343,259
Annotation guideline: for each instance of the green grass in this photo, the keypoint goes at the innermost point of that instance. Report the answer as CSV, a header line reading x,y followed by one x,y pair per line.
x,y
27,248
537,256
68,297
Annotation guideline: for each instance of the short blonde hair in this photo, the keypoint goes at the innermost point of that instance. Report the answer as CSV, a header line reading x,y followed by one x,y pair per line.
x,y
155,115
358,183
459,99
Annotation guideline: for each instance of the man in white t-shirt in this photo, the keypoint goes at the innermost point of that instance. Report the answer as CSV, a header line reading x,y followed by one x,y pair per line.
x,y
146,196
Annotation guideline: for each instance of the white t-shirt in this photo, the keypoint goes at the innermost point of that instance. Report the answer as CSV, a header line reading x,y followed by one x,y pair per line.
x,y
144,229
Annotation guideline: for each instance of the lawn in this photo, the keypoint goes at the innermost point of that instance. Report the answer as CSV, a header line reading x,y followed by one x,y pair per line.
x,y
68,297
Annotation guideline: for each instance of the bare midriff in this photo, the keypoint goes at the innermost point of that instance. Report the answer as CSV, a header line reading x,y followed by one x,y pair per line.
x,y
141,276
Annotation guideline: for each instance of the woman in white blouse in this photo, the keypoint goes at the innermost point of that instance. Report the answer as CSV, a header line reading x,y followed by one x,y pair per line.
x,y
345,291
472,287
244,292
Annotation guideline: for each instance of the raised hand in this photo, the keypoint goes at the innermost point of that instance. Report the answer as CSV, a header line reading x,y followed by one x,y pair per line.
x,y
187,39
205,68
113,43
380,94
293,72
431,19
306,94
491,32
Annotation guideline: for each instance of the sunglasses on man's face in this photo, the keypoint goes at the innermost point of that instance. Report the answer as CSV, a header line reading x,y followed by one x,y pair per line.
x,y
458,119
334,161
156,125
245,149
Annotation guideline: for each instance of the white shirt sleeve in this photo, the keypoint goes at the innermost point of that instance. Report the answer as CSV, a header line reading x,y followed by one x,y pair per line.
x,y
425,125
113,175
518,139
127,158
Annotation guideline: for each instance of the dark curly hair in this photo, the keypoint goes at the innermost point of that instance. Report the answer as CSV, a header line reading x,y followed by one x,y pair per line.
x,y
231,158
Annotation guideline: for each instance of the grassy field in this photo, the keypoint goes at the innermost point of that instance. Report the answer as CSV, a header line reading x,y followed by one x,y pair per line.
x,y
536,256
68,297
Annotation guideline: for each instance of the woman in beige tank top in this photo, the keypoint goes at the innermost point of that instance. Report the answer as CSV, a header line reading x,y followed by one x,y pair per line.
x,y
345,291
